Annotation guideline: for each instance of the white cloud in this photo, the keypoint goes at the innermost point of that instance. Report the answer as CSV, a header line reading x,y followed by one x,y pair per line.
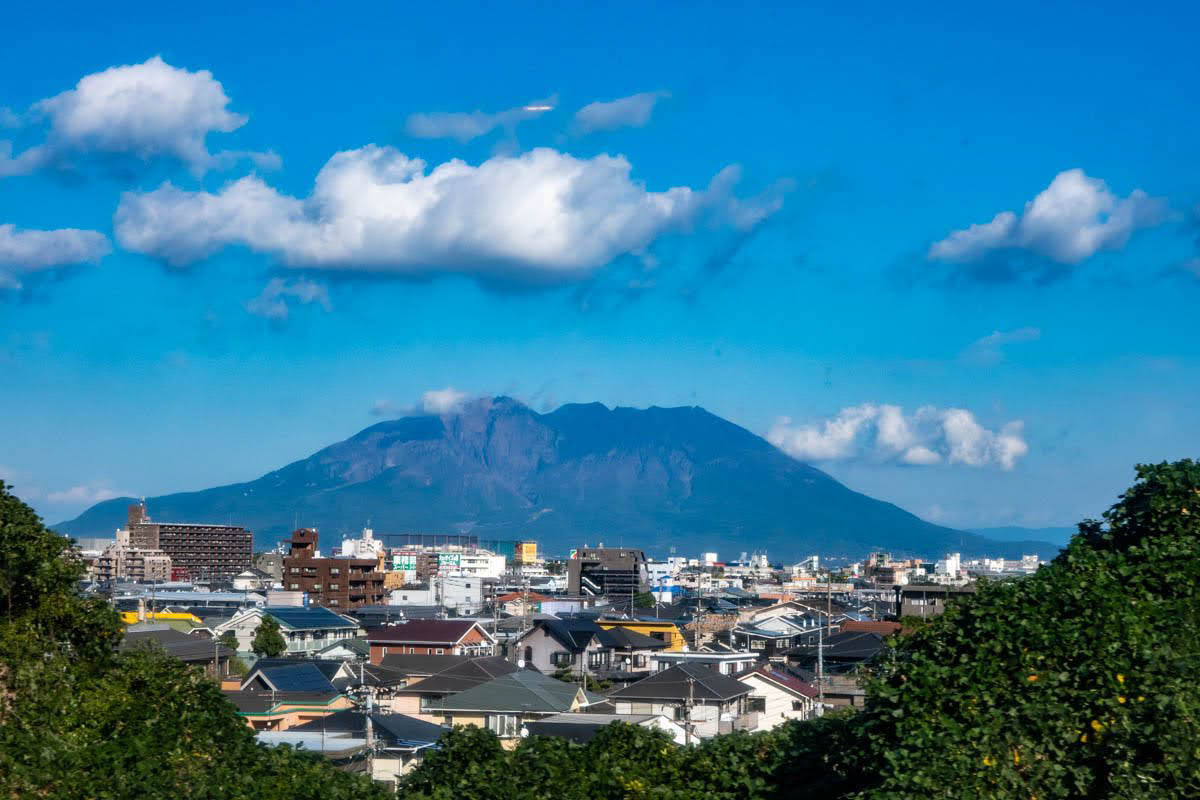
x,y
84,495
25,251
1068,222
633,111
990,349
543,217
885,433
443,401
150,110
467,125
272,301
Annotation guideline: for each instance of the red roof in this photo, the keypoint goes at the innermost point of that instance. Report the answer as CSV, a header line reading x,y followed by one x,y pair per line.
x,y
868,626
784,679
423,631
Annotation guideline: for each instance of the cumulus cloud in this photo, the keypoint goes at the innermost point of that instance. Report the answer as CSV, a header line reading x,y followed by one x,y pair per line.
x,y
443,401
990,349
464,126
1071,220
885,433
146,111
23,251
633,111
542,217
273,301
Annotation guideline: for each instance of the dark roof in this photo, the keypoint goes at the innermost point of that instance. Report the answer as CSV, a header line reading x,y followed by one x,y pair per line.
x,y
849,646
313,617
262,702
395,730
304,677
882,628
423,631
580,727
673,684
463,675
175,643
523,691
371,675
329,666
625,639
356,644
421,664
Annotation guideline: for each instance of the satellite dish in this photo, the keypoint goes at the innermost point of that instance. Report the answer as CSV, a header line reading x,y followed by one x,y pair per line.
x,y
524,732
520,663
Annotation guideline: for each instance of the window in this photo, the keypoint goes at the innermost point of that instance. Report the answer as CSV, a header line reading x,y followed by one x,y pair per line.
x,y
333,601
425,702
595,660
295,570
757,644
333,586
334,571
295,586
798,705
506,726
639,659
440,652
758,704
561,659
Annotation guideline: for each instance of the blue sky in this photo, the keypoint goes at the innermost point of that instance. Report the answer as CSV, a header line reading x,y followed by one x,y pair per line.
x,y
765,213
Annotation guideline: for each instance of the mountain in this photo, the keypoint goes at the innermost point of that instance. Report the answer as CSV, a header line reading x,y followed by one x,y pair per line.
x,y
583,474
1058,536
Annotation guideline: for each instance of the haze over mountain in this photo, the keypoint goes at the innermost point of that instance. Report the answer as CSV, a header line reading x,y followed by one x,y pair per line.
x,y
652,478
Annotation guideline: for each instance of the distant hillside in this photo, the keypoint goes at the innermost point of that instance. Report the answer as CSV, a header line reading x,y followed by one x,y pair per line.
x,y
1058,536
653,478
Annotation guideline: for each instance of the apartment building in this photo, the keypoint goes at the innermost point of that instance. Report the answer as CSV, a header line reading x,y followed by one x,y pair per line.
x,y
340,583
202,551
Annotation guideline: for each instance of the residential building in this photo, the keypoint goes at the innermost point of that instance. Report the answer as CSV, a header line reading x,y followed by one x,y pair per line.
x,y
195,650
730,663
400,741
279,711
421,695
614,572
586,648
927,601
778,696
202,551
525,553
121,561
306,630
338,583
503,705
431,637
665,630
582,727
705,702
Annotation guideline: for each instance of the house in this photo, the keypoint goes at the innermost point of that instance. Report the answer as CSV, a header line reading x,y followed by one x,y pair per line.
x,y
199,651
338,582
871,626
581,727
927,601
306,630
355,649
398,741
503,705
419,695
278,711
583,646
778,696
520,604
843,655
704,701
460,637
772,636
726,663
665,630
294,675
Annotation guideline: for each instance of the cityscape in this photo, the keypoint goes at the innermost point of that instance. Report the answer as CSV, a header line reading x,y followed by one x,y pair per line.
x,y
656,401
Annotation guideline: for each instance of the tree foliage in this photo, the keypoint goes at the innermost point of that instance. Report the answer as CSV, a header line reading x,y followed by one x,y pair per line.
x,y
77,720
268,641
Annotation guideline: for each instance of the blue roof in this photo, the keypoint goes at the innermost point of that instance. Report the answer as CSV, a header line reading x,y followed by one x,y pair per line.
x,y
298,678
295,617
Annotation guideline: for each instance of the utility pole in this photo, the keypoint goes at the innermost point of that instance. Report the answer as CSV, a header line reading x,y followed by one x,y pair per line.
x,y
687,711
820,669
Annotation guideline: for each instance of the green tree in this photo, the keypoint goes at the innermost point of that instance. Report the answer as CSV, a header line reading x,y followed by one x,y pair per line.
x,y
643,600
229,639
78,720
268,641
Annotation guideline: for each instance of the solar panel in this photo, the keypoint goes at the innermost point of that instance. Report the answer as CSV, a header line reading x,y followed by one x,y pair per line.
x,y
298,678
307,617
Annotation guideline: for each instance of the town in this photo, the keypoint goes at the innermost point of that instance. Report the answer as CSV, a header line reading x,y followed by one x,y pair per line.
x,y
368,652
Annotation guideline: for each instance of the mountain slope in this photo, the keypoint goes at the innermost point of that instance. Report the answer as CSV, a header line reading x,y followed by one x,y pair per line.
x,y
581,474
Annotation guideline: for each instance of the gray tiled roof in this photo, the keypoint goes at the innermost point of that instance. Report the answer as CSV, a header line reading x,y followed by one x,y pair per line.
x,y
673,684
524,691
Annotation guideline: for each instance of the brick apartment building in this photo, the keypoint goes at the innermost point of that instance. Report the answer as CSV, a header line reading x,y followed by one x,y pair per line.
x,y
203,551
336,583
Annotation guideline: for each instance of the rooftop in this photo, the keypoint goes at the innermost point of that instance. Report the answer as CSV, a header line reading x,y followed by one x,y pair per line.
x,y
681,682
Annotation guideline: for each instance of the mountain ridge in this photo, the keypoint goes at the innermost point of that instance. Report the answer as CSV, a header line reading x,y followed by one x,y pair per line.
x,y
654,478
